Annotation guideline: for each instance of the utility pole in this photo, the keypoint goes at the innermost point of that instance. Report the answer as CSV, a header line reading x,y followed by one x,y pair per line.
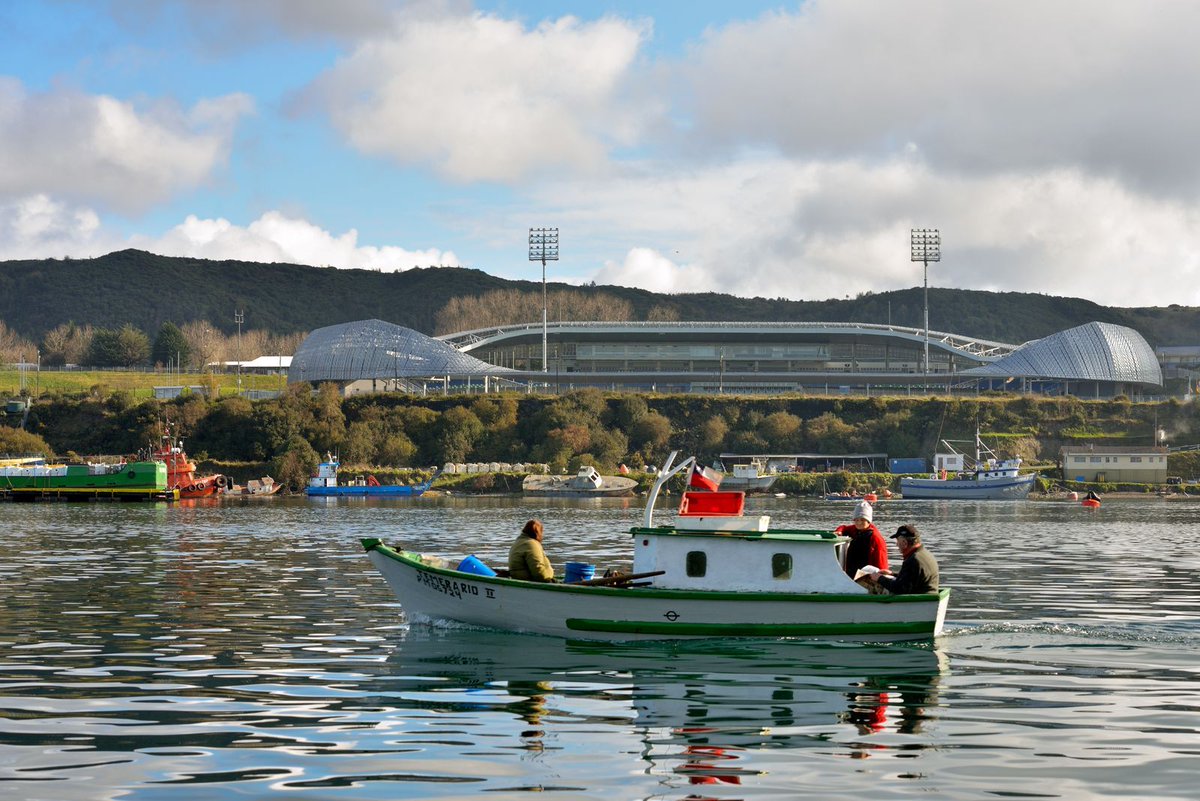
x,y
543,247
239,317
926,247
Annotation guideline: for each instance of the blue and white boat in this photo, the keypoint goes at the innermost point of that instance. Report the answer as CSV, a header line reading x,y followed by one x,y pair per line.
x,y
325,485
986,477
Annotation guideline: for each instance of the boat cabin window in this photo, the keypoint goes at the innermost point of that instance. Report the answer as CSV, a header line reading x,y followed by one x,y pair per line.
x,y
697,563
781,566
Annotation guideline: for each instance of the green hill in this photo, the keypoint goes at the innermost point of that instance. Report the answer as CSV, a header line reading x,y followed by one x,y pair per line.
x,y
145,289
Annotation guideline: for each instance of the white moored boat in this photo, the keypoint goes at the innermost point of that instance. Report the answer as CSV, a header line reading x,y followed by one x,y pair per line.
x,y
987,477
714,573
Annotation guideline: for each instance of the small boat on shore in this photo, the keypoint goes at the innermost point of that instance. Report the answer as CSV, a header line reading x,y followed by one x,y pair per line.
x,y
132,481
986,477
715,572
254,488
325,485
588,483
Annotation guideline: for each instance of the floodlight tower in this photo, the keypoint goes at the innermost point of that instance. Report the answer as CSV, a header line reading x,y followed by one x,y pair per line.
x,y
926,247
543,247
239,317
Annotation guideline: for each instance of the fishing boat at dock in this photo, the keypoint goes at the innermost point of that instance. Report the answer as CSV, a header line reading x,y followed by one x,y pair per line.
x,y
131,481
714,572
986,477
325,484
757,476
181,471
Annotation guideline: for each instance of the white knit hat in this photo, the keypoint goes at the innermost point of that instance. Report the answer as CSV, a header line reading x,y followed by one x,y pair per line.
x,y
863,510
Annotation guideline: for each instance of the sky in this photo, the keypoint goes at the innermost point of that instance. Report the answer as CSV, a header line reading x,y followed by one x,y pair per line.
x,y
781,150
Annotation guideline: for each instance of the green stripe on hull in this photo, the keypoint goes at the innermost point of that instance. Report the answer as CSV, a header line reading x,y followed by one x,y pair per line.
x,y
749,629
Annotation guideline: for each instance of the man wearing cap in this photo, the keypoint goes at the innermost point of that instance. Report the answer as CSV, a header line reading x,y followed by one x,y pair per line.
x,y
867,546
918,572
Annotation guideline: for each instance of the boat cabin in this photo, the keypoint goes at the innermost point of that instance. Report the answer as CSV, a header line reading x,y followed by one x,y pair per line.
x,y
588,478
713,546
326,474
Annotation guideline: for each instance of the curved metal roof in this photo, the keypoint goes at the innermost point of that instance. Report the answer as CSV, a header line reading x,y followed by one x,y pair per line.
x,y
979,349
378,349
1090,352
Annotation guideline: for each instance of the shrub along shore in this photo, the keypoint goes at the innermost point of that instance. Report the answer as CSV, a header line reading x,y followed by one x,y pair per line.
x,y
403,438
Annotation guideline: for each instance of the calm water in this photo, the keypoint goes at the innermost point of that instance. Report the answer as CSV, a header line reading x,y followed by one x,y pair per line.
x,y
248,649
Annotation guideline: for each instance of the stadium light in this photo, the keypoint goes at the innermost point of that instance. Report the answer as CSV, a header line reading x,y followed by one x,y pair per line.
x,y
926,247
543,247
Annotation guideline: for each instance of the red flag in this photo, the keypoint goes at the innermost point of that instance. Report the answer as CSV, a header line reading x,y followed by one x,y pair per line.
x,y
704,478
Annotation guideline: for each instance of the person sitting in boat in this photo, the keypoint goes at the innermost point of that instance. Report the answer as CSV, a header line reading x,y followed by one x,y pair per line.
x,y
867,546
1092,496
526,559
918,571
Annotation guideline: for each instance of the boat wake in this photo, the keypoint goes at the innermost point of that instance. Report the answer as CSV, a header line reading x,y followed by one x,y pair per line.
x,y
1140,633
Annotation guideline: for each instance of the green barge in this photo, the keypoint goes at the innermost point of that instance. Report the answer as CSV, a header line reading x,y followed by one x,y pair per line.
x,y
130,481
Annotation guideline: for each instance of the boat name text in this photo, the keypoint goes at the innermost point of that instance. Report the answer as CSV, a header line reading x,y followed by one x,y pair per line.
x,y
444,585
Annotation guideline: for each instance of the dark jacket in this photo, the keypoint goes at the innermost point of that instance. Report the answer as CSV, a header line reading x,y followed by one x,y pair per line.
x,y
527,561
918,573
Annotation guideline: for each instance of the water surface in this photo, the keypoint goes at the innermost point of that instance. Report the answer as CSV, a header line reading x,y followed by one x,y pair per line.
x,y
192,651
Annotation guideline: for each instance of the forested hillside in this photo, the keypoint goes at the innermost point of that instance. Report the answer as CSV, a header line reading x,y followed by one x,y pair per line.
x,y
146,290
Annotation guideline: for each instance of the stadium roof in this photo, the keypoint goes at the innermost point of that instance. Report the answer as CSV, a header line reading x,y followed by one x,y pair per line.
x,y
1090,352
976,348
378,349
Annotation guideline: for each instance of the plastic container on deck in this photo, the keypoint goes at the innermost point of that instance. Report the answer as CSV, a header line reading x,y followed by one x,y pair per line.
x,y
473,565
578,571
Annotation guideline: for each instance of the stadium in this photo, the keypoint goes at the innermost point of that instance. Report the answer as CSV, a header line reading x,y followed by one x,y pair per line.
x,y
1095,360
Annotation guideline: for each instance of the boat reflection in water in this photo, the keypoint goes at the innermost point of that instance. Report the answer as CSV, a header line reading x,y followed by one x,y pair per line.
x,y
704,711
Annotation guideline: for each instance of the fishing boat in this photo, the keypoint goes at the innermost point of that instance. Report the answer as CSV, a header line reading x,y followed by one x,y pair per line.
x,y
588,483
325,484
135,481
753,477
986,477
715,572
181,471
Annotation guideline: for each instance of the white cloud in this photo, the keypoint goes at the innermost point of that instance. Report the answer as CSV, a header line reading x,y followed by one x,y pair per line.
x,y
980,87
477,97
777,228
39,227
649,269
274,237
101,150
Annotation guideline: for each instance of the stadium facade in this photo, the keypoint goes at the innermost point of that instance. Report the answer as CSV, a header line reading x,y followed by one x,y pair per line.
x,y
1092,360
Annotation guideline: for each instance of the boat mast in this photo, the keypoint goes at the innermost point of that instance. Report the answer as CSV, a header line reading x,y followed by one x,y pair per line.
x,y
665,473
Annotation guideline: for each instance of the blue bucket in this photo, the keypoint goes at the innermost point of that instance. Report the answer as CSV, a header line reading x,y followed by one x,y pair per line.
x,y
578,571
472,565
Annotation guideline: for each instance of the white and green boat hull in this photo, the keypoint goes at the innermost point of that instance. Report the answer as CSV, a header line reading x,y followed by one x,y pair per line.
x,y
427,592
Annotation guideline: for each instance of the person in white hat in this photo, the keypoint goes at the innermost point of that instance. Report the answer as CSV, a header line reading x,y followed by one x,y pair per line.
x,y
867,546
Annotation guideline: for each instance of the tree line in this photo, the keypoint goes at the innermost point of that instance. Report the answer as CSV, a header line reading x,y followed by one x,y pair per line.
x,y
194,345
581,427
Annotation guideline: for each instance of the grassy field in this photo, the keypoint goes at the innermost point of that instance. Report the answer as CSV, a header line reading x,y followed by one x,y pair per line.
x,y
140,384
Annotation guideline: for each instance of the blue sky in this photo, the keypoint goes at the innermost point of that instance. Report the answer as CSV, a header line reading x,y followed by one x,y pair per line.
x,y
769,149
